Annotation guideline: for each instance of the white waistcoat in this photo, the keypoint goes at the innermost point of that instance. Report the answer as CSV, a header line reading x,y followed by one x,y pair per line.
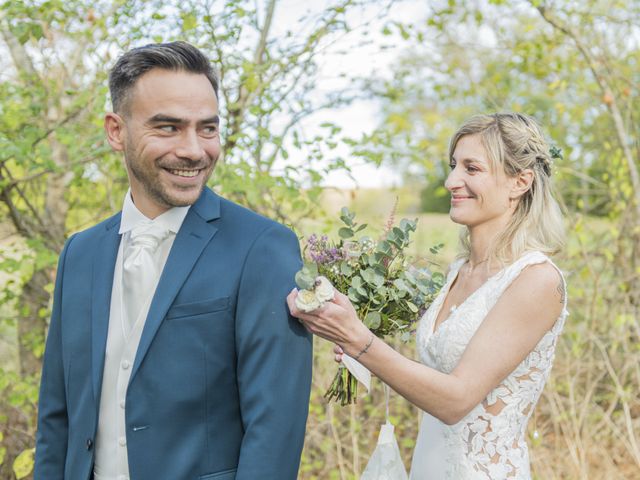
x,y
111,461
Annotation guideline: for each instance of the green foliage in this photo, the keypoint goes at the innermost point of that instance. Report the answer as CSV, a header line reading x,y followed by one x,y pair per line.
x,y
506,56
24,463
58,175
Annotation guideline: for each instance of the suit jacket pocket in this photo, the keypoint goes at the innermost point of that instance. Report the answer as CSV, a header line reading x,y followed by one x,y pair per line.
x,y
202,307
224,475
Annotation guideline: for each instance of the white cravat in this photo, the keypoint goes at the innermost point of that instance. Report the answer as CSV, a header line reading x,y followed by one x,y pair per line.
x,y
140,271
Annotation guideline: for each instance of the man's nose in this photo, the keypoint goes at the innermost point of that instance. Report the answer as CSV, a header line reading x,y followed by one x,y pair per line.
x,y
190,146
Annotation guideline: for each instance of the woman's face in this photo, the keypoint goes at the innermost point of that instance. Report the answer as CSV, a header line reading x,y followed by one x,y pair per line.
x,y
479,195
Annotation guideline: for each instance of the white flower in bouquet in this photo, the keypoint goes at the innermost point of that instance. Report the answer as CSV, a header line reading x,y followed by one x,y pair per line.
x,y
323,289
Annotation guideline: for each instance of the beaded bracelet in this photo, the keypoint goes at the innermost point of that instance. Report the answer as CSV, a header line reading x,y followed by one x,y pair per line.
x,y
364,350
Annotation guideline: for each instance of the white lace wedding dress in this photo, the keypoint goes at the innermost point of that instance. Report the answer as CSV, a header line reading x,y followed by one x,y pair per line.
x,y
489,443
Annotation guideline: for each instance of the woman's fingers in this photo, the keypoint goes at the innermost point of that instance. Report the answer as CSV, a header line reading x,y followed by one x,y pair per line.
x,y
338,353
291,302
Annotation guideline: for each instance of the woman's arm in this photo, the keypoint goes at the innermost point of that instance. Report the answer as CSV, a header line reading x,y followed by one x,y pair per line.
x,y
523,314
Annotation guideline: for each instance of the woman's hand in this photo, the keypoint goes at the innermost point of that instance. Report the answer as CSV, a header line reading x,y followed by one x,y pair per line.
x,y
337,349
335,321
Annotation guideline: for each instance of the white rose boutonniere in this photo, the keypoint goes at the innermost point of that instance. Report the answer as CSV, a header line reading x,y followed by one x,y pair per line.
x,y
307,301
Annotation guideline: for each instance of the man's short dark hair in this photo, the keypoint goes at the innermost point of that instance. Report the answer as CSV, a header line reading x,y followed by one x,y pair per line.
x,y
177,56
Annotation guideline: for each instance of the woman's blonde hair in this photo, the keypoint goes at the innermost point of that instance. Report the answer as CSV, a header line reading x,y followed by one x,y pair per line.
x,y
514,142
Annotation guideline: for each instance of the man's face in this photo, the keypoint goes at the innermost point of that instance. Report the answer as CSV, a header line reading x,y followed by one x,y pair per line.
x,y
170,139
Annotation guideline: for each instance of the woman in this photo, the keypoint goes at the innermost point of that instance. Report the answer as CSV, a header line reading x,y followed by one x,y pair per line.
x,y
487,341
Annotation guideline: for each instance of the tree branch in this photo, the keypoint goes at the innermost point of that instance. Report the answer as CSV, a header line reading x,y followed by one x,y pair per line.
x,y
18,53
611,103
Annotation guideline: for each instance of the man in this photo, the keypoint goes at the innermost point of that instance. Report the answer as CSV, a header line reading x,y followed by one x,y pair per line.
x,y
171,354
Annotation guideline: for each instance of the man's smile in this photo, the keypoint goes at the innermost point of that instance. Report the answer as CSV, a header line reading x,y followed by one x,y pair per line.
x,y
185,173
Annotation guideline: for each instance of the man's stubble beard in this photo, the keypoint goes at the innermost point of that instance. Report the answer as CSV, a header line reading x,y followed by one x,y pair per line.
x,y
151,182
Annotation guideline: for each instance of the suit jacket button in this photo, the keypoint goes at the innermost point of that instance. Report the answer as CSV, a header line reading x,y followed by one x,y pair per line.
x,y
89,444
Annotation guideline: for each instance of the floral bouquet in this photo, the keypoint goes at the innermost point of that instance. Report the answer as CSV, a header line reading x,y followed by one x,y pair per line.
x,y
388,293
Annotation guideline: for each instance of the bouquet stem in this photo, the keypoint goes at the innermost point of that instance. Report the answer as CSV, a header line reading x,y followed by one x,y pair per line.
x,y
344,388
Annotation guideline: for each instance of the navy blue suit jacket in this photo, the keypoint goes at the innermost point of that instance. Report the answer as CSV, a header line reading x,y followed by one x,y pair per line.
x,y
220,385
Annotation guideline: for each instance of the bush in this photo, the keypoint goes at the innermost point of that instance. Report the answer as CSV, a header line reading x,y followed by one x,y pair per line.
x,y
434,198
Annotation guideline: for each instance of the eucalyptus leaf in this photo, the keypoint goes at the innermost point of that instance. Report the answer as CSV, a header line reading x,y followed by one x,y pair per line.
x,y
372,261
379,258
345,232
353,295
412,306
399,233
436,248
408,225
410,277
373,320
346,269
424,287
304,281
401,285
346,216
369,275
311,269
384,247
437,279
376,302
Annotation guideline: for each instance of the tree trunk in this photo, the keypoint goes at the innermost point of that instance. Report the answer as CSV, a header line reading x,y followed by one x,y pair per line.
x,y
31,324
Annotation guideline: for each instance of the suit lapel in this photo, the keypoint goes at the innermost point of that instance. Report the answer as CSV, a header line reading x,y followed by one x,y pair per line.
x,y
193,237
104,264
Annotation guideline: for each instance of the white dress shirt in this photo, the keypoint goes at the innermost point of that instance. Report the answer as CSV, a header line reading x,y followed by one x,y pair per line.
x,y
111,461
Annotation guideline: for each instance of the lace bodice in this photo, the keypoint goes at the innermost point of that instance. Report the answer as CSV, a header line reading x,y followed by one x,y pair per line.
x,y
489,443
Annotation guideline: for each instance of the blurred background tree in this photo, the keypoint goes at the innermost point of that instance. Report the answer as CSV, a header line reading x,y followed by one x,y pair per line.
x,y
574,66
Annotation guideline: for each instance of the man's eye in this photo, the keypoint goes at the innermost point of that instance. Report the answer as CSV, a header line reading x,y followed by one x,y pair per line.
x,y
210,130
452,165
168,128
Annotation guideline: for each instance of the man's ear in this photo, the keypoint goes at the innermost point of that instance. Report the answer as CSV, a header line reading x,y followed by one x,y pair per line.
x,y
522,183
114,128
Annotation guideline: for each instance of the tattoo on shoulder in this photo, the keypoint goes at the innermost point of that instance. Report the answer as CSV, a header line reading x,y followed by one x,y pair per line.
x,y
561,291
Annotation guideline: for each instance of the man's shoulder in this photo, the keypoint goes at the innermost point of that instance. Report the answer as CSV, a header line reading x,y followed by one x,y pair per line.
x,y
90,234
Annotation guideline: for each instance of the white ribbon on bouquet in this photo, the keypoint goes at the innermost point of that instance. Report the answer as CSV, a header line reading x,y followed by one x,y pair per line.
x,y
357,370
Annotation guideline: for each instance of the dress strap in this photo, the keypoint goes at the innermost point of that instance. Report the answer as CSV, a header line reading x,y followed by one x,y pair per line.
x,y
509,274
453,268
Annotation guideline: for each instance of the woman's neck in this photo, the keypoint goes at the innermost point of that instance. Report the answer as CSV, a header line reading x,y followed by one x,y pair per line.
x,y
481,239
479,247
